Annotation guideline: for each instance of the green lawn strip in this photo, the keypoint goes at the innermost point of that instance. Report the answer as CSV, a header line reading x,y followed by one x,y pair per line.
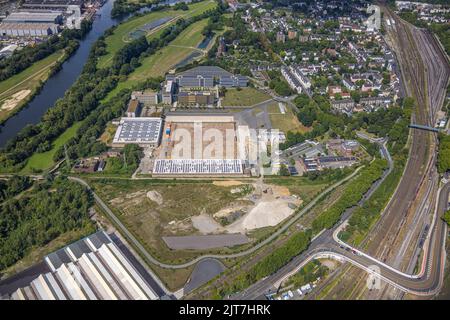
x,y
28,74
244,97
118,39
159,63
44,160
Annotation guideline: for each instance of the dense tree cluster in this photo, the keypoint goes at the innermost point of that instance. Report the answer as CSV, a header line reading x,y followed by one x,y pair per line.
x,y
13,186
122,7
444,153
447,217
41,215
392,122
127,163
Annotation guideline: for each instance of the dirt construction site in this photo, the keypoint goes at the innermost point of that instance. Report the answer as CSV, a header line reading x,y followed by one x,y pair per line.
x,y
203,138
265,206
217,214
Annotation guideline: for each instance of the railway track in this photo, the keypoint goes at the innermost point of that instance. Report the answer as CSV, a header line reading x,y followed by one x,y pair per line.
x,y
425,79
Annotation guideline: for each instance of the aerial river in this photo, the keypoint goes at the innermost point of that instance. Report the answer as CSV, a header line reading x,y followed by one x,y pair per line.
x,y
56,86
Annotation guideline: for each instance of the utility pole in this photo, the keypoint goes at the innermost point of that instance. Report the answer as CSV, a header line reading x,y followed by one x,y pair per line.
x,y
67,157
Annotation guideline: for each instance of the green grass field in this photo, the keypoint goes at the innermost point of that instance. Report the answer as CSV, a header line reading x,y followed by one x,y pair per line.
x,y
28,79
120,36
244,97
44,160
163,60
287,121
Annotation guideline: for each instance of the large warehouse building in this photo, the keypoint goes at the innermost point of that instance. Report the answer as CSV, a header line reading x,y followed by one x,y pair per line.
x,y
34,17
208,167
208,76
28,29
200,145
144,131
31,23
51,4
92,268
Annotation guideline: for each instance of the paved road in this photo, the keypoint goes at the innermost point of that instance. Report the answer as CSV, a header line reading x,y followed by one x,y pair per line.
x,y
427,282
126,233
396,235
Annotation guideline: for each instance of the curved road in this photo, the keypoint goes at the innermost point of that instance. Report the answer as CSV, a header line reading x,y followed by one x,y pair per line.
x,y
125,232
424,284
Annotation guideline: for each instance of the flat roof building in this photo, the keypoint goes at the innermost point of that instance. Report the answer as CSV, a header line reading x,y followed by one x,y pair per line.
x,y
133,109
208,76
51,4
14,29
144,131
34,17
208,167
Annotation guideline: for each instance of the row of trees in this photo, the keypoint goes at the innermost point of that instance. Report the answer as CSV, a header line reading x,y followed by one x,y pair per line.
x,y
352,194
22,59
41,215
444,153
271,263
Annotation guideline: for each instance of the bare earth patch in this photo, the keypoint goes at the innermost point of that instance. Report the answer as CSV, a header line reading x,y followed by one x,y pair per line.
x,y
266,213
205,224
155,196
15,99
227,183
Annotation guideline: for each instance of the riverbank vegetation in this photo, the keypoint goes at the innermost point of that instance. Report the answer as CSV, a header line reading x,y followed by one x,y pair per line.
x,y
24,73
19,89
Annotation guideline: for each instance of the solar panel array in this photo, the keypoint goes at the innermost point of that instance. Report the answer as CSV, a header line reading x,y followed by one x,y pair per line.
x,y
139,130
198,166
204,76
154,24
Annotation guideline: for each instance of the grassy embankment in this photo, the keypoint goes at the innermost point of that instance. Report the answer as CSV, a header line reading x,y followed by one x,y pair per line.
x,y
121,34
16,91
43,161
245,97
165,59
